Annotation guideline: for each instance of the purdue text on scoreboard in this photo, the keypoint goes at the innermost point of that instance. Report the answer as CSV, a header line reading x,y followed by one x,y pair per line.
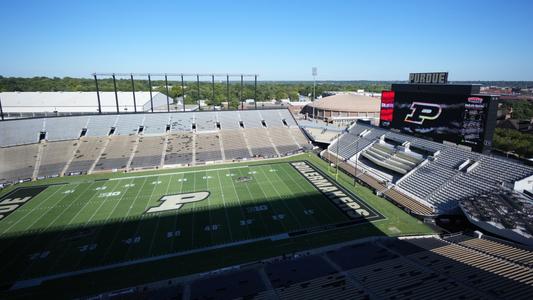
x,y
438,77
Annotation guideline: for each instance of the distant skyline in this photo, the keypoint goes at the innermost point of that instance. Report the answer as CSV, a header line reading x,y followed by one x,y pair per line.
x,y
279,40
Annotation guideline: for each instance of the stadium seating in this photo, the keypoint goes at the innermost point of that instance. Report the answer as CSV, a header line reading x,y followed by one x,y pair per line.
x,y
234,144
207,148
119,142
450,173
20,132
179,149
116,154
64,128
89,149
17,163
149,152
259,142
53,157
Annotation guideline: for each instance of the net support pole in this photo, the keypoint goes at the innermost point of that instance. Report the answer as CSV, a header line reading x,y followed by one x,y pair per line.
x,y
151,98
166,85
182,92
227,88
116,94
240,94
133,91
198,89
1,110
98,94
255,91
213,86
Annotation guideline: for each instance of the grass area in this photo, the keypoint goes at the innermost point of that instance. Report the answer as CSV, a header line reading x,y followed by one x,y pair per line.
x,y
103,219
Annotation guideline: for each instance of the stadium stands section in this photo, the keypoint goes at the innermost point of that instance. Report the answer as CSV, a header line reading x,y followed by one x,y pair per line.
x,y
149,152
146,140
207,148
383,268
179,149
116,154
433,174
88,151
17,163
234,144
53,157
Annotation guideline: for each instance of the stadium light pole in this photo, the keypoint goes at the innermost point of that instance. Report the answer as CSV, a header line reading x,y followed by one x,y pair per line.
x,y
182,92
213,85
166,85
151,98
133,91
97,93
255,91
240,94
198,89
356,161
116,95
314,72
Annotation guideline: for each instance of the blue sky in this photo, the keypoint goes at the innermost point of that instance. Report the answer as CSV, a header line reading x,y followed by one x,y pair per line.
x,y
279,40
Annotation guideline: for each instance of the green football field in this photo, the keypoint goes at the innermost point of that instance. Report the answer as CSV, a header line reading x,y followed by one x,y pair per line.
x,y
106,221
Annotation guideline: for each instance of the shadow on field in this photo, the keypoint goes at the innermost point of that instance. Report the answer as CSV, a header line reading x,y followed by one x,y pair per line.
x,y
34,254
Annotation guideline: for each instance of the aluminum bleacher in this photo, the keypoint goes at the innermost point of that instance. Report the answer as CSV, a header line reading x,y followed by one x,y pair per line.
x,y
55,156
20,132
251,119
17,163
148,153
89,149
451,172
65,128
179,149
234,144
181,122
101,125
156,123
207,148
128,124
116,154
206,121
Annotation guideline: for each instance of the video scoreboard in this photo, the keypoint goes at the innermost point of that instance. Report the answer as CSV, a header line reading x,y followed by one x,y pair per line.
x,y
441,112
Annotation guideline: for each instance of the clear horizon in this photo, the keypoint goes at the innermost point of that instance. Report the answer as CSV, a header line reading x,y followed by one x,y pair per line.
x,y
346,41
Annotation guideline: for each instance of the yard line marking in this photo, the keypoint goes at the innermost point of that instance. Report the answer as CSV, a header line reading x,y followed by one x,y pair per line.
x,y
95,236
50,242
240,205
111,245
225,207
305,192
282,200
139,226
177,213
157,223
35,208
272,198
176,173
254,200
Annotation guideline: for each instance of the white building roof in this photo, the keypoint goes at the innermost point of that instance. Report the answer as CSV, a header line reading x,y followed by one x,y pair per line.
x,y
30,102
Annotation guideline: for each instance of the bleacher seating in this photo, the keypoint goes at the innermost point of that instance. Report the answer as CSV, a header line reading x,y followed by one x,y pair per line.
x,y
128,124
207,148
234,144
17,163
64,128
20,132
89,149
116,154
259,142
439,182
243,133
179,149
149,152
53,158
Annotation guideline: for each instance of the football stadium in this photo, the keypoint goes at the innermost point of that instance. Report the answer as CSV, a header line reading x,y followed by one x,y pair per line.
x,y
263,204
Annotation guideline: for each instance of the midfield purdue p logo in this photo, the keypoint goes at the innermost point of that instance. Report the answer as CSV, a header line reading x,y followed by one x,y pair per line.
x,y
173,202
421,111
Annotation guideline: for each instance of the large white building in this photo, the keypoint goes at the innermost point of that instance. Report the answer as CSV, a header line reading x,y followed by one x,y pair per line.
x,y
28,104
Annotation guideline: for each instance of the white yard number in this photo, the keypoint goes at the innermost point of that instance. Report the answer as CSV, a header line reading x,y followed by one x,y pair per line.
x,y
110,194
172,202
213,227
278,217
309,211
101,188
246,222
